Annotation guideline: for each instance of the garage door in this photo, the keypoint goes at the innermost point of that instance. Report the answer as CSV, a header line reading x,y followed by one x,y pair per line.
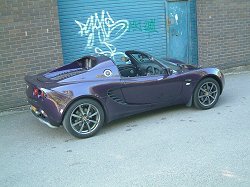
x,y
111,27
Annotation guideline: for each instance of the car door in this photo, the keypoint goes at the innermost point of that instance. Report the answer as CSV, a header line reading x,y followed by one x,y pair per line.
x,y
141,90
147,88
151,89
171,89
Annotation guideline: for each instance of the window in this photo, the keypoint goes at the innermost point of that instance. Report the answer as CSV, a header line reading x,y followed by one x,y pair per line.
x,y
122,60
141,58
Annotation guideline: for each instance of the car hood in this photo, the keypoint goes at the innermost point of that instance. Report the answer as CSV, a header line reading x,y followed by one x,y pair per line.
x,y
187,67
180,66
60,73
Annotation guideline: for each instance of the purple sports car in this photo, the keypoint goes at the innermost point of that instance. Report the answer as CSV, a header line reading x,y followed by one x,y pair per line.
x,y
94,90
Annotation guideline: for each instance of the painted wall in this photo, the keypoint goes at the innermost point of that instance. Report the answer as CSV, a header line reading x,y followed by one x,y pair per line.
x,y
112,27
193,33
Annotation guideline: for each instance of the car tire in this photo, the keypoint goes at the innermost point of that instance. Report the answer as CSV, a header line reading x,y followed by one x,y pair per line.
x,y
84,118
206,94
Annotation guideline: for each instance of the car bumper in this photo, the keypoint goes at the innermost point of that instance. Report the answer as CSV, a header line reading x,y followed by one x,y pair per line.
x,y
47,110
42,117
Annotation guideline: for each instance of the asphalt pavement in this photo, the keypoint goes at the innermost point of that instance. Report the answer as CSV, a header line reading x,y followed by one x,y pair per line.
x,y
175,146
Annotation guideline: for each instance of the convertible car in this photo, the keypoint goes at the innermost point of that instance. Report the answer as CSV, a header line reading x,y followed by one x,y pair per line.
x,y
94,90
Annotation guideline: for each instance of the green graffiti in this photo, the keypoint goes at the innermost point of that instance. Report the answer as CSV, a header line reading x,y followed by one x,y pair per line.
x,y
147,26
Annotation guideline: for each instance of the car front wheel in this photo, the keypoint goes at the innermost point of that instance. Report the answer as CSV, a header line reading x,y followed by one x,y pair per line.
x,y
206,94
84,118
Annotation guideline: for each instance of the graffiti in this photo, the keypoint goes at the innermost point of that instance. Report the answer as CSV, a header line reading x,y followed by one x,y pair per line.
x,y
148,26
101,32
176,20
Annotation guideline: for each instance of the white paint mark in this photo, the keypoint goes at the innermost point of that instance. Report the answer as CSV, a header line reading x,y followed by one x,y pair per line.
x,y
47,30
176,18
106,30
26,33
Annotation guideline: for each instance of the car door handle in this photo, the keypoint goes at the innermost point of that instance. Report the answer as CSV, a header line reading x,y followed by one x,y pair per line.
x,y
188,80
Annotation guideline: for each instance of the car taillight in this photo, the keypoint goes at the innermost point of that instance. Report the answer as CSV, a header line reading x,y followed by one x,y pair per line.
x,y
35,91
39,93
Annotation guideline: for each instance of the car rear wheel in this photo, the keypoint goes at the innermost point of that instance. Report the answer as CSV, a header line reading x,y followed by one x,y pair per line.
x,y
84,118
206,94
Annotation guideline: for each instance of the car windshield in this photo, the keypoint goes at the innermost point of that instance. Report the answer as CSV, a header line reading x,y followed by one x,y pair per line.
x,y
168,64
145,58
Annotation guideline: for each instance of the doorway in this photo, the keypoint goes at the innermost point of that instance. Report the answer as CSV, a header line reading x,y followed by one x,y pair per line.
x,y
178,28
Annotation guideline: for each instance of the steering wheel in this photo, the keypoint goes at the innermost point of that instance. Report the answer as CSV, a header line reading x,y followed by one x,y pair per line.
x,y
151,70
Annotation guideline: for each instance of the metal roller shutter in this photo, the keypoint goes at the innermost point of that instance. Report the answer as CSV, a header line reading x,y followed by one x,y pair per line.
x,y
111,27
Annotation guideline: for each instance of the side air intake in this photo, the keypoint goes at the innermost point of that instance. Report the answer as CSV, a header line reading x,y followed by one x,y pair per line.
x,y
115,98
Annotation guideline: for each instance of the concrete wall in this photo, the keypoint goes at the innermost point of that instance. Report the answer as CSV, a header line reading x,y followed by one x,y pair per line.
x,y
224,32
30,43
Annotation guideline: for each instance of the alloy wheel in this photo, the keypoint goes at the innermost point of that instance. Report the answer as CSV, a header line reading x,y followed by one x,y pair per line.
x,y
207,93
84,118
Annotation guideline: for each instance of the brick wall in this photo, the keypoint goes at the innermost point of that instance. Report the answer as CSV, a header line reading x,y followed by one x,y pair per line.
x,y
29,43
224,32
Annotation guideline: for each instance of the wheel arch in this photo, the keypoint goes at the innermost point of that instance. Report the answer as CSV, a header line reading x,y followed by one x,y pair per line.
x,y
86,97
215,78
190,102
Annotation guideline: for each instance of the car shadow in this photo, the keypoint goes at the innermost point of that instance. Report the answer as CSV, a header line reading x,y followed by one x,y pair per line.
x,y
225,101
123,122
